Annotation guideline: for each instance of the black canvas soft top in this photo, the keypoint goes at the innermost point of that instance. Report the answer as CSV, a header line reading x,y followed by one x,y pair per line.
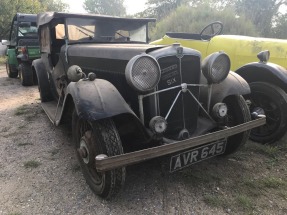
x,y
22,17
44,18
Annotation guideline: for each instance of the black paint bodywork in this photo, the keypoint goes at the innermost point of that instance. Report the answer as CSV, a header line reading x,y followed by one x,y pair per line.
x,y
111,96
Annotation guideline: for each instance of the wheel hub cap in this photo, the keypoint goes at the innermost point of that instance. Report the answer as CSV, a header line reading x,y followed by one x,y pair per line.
x,y
84,151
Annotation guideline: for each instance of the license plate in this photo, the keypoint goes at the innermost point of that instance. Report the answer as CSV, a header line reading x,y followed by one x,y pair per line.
x,y
187,158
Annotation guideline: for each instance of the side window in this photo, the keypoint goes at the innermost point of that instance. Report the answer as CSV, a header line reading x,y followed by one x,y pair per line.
x,y
13,35
60,31
45,39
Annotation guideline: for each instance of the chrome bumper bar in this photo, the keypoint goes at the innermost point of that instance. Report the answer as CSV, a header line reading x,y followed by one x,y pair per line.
x,y
104,163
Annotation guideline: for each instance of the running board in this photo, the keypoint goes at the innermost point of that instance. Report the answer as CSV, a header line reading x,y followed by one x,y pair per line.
x,y
50,109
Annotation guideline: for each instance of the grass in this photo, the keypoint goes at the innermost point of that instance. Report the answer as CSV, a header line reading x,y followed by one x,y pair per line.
x,y
244,201
32,164
257,186
21,110
24,144
215,200
272,182
2,59
27,111
267,150
55,151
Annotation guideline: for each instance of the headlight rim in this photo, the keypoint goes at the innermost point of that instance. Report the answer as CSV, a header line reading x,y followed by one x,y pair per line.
x,y
207,67
129,71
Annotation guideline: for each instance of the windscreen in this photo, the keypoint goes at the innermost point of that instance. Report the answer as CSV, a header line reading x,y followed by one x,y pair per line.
x,y
27,29
106,30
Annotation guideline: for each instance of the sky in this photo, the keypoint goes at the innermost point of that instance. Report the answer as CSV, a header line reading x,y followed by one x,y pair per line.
x,y
132,6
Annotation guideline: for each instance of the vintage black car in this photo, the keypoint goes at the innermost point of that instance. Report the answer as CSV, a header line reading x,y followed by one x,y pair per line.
x,y
128,101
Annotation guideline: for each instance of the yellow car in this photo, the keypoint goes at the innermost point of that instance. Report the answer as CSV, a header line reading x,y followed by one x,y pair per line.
x,y
268,81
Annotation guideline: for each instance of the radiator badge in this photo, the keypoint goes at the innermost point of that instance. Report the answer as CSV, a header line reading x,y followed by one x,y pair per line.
x,y
169,74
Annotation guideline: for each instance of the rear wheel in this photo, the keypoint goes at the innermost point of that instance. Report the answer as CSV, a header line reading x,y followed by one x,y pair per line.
x,y
238,113
271,101
91,139
11,70
26,74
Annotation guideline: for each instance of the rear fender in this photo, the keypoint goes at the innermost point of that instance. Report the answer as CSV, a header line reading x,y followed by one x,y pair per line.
x,y
232,85
12,59
264,72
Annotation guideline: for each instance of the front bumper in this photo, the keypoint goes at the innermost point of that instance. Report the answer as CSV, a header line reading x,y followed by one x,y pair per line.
x,y
104,163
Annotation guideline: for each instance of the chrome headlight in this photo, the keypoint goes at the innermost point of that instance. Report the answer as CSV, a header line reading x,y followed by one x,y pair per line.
x,y
216,67
143,72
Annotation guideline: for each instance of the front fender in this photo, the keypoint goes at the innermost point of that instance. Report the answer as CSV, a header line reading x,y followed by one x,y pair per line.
x,y
97,99
264,72
232,85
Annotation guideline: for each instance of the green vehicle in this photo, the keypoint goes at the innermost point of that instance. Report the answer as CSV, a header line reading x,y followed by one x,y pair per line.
x,y
23,48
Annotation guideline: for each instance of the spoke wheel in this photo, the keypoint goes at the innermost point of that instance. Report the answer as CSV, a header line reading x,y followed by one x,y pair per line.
x,y
94,138
272,101
237,113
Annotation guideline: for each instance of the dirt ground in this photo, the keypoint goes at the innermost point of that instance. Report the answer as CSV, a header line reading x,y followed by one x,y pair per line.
x,y
39,172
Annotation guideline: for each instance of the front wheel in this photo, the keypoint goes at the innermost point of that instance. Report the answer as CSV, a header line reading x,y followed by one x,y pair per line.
x,y
237,113
26,74
91,139
272,101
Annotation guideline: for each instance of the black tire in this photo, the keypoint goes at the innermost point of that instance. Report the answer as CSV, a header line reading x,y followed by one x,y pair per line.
x,y
237,113
273,101
35,79
25,74
11,70
98,137
43,85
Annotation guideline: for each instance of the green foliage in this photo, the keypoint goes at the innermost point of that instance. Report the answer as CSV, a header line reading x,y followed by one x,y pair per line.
x,y
2,59
106,7
193,19
260,12
8,11
280,30
54,5
161,8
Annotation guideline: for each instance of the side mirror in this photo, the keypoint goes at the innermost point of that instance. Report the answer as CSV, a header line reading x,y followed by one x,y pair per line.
x,y
5,42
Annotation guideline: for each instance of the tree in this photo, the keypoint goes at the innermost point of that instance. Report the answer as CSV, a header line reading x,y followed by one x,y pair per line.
x,y
193,19
8,11
162,8
264,14
106,7
54,5
261,12
280,30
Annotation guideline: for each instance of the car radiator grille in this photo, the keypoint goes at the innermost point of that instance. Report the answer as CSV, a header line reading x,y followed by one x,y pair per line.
x,y
28,42
175,71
